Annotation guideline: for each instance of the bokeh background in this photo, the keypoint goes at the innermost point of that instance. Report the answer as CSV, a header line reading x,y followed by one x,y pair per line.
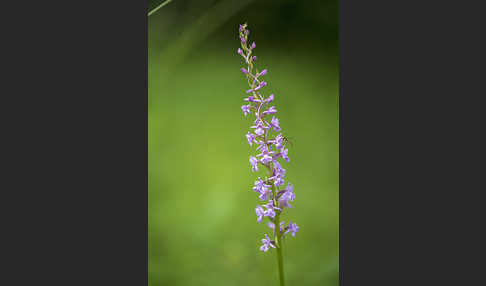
x,y
202,224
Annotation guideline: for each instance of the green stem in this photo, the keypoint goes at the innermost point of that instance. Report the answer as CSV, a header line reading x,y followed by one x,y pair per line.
x,y
158,7
279,250
278,242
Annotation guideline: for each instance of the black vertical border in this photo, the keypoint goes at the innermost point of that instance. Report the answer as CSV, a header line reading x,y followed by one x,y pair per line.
x,y
411,157
74,120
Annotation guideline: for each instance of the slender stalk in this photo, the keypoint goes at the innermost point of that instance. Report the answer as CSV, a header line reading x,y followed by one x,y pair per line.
x,y
158,7
279,250
278,242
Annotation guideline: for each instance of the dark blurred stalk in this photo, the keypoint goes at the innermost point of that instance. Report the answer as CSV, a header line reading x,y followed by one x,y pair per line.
x,y
158,7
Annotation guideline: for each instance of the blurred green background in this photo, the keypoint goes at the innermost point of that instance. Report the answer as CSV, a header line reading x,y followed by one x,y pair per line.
x,y
202,224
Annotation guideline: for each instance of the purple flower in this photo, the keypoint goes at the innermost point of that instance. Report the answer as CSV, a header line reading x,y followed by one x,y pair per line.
x,y
277,169
279,174
259,128
259,131
290,188
266,243
266,154
272,226
253,45
245,109
293,228
262,84
260,186
261,145
270,98
254,58
264,195
266,158
254,163
284,153
244,71
270,205
263,72
260,213
278,141
242,40
271,110
240,51
250,137
251,99
287,196
270,213
274,124
279,181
